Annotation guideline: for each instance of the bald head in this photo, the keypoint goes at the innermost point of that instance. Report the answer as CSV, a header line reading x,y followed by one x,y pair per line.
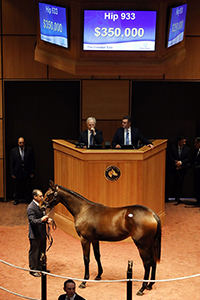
x,y
21,142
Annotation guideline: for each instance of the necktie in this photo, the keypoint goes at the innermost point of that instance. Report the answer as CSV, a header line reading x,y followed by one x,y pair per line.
x,y
127,137
91,138
22,154
179,151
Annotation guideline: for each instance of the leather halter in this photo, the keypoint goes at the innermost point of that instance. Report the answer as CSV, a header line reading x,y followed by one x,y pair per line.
x,y
46,204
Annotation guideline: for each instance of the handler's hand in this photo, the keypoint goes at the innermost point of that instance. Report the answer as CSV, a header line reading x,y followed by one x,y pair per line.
x,y
44,218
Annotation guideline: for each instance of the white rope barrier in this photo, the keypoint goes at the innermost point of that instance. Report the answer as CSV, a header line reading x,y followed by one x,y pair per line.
x,y
17,294
103,281
78,279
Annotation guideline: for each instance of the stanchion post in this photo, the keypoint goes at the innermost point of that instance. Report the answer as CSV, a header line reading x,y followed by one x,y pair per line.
x,y
129,282
44,279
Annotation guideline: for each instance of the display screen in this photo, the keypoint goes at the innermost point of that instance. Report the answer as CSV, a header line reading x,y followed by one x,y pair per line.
x,y
106,30
53,24
176,25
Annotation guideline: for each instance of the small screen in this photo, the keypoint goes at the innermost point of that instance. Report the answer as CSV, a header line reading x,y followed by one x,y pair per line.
x,y
177,25
53,24
106,30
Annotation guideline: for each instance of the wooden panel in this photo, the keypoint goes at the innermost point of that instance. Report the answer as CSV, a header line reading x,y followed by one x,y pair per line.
x,y
106,99
83,171
1,16
151,77
190,68
0,61
1,179
55,73
67,172
113,193
192,21
1,138
106,77
19,17
154,182
1,100
19,60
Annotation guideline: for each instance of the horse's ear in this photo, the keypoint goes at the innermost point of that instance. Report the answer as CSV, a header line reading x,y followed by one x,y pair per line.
x,y
51,184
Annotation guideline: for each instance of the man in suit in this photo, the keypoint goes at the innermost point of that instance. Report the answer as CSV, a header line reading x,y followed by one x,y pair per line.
x,y
22,170
91,136
37,232
69,288
196,162
128,135
178,163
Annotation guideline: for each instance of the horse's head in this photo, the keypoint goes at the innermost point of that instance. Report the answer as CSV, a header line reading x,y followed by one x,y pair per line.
x,y
50,198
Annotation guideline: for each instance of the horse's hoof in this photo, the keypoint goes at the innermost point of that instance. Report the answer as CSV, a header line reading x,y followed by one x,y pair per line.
x,y
82,285
149,287
139,293
97,278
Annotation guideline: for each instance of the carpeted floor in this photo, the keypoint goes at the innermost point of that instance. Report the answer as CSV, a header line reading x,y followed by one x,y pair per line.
x,y
179,258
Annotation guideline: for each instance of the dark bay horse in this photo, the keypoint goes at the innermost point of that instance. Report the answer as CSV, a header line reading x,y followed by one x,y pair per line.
x,y
95,222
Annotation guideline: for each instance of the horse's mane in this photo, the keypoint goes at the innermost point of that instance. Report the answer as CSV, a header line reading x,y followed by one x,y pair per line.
x,y
75,194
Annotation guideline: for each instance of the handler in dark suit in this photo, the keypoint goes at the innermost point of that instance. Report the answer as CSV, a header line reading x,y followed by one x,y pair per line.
x,y
196,162
178,163
91,136
37,232
22,170
128,135
69,288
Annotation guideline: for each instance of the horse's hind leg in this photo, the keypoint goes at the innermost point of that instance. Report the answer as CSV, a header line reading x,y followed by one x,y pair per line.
x,y
86,256
145,258
153,276
97,257
146,277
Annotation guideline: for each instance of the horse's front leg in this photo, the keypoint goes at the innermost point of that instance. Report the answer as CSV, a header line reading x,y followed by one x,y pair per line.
x,y
97,257
86,257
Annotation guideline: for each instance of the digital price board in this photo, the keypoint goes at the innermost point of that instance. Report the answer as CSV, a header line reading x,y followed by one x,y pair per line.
x,y
176,25
53,24
106,30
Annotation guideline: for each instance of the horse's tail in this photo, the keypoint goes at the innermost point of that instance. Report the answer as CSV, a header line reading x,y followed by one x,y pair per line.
x,y
157,243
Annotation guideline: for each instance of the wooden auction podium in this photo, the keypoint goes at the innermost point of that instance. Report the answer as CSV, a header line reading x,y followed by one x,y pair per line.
x,y
111,177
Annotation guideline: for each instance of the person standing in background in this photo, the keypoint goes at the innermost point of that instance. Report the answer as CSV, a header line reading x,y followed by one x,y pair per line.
x,y
196,162
22,170
178,163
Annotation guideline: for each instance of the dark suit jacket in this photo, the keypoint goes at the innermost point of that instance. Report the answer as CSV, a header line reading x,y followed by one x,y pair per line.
x,y
37,228
174,155
98,138
21,169
195,158
62,297
135,137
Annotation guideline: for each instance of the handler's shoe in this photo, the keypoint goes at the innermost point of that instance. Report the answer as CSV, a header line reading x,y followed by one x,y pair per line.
x,y
35,274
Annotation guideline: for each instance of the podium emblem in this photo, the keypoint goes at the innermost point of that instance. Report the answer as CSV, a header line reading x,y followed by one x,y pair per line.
x,y
112,173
